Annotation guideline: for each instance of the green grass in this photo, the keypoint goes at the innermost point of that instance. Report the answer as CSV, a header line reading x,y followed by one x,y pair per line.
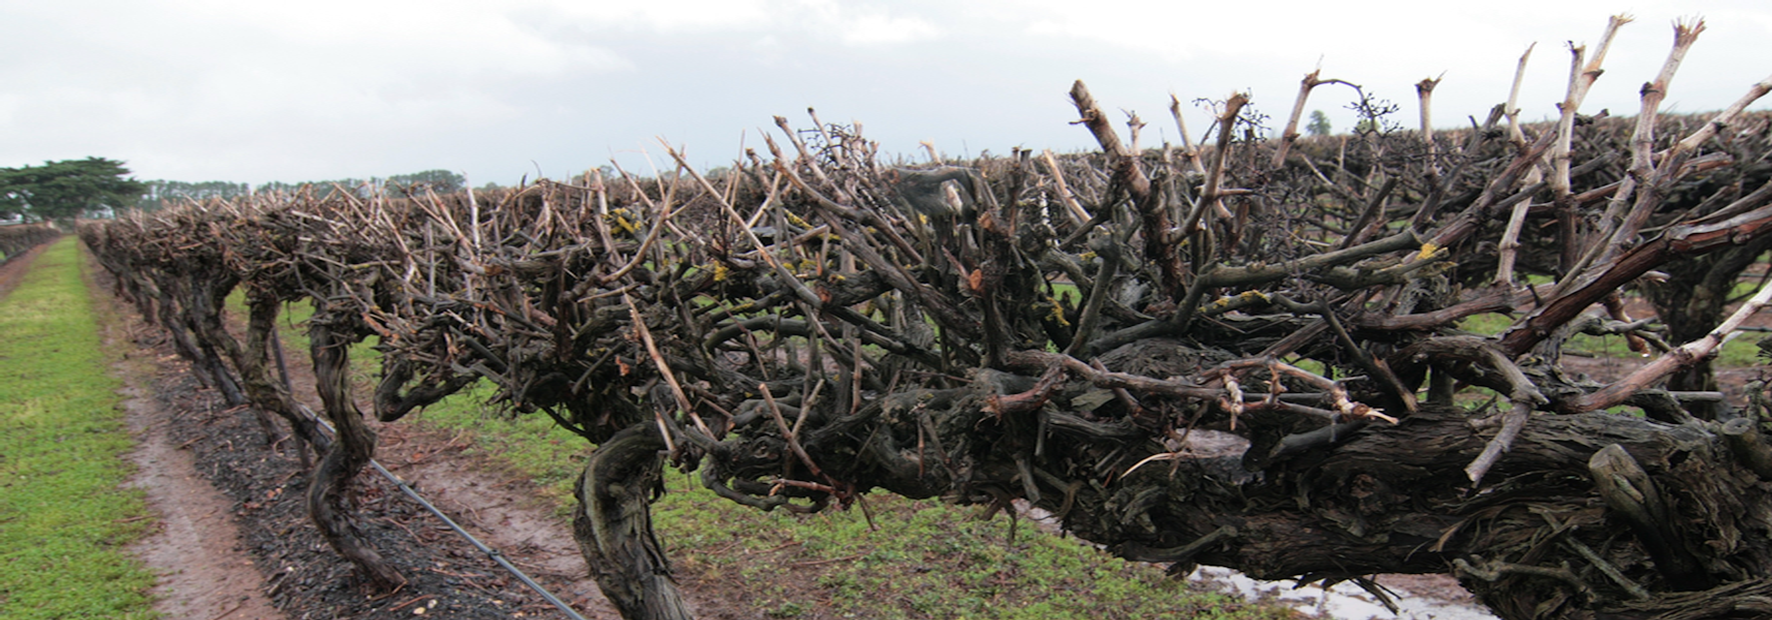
x,y
927,559
64,521
1738,353
1488,324
292,329
1742,352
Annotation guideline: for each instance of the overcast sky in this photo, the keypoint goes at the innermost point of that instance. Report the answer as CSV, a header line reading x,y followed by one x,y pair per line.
x,y
247,91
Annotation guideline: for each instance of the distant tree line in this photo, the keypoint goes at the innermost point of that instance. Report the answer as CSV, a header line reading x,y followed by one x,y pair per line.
x,y
97,187
160,192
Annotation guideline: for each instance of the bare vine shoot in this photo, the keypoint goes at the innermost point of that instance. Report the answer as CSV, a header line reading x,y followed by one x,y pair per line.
x,y
818,322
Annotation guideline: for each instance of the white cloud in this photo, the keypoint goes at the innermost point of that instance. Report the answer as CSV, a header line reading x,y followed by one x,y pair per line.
x,y
665,16
852,23
1389,45
880,28
465,37
856,24
176,79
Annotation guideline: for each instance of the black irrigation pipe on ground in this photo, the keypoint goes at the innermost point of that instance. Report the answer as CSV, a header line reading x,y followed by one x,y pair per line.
x,y
283,369
489,551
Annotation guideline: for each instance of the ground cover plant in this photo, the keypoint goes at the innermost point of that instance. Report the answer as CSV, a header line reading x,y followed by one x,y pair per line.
x,y
819,323
64,523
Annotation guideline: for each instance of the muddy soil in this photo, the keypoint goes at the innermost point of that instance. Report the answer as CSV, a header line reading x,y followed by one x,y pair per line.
x,y
504,510
1732,380
235,540
196,551
301,574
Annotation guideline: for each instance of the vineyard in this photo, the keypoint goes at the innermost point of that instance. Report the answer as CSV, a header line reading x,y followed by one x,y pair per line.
x,y
819,322
15,240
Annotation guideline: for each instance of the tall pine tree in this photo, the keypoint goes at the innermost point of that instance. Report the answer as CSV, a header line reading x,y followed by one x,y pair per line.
x,y
66,189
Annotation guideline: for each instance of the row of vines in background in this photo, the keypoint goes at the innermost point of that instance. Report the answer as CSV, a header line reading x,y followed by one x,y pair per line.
x,y
815,323
19,238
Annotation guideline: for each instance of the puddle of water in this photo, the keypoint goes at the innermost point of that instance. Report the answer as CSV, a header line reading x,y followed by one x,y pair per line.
x,y
1344,601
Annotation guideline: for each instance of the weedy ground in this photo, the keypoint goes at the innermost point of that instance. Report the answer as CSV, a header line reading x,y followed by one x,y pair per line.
x,y
919,558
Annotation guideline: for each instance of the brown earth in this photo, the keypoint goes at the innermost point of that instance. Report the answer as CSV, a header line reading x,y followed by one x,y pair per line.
x,y
13,268
1732,380
504,510
196,550
481,497
235,540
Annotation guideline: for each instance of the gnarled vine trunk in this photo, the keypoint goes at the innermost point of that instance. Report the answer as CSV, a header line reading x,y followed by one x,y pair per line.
x,y
613,524
329,486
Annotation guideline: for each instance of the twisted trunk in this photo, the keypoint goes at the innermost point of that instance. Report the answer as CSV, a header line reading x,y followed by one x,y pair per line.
x,y
330,485
613,525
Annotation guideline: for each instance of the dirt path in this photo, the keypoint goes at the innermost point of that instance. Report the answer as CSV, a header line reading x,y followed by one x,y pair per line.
x,y
491,507
484,500
11,271
235,541
204,572
499,507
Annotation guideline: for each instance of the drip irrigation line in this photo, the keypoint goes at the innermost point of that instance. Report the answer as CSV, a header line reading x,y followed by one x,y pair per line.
x,y
489,551
283,369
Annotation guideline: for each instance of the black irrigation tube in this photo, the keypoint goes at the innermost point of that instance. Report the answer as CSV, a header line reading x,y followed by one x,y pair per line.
x,y
489,551
283,369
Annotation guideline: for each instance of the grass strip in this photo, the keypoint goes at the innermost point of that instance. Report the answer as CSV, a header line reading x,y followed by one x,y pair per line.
x,y
927,559
64,520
